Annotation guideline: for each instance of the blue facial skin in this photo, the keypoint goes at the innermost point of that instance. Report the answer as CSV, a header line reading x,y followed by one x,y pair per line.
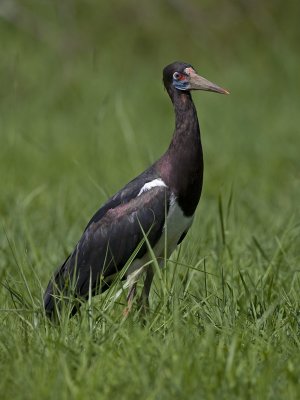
x,y
181,85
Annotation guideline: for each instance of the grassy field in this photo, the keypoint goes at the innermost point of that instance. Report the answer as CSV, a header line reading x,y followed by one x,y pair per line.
x,y
82,111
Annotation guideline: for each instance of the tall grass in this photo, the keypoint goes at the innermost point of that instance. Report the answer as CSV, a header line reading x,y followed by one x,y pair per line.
x,y
79,118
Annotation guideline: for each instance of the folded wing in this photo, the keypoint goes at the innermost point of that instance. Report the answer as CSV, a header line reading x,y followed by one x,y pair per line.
x,y
108,242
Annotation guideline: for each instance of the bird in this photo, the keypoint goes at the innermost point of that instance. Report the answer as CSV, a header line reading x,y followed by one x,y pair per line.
x,y
153,211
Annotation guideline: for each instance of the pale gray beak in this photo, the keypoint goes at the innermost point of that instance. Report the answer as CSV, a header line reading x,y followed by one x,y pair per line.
x,y
199,83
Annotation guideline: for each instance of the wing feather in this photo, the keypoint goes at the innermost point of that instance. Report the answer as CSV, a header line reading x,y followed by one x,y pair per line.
x,y
107,243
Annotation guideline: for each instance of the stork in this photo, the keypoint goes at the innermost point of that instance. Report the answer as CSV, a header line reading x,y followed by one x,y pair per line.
x,y
158,204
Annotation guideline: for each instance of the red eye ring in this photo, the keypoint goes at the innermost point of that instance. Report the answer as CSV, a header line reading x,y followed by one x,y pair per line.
x,y
178,76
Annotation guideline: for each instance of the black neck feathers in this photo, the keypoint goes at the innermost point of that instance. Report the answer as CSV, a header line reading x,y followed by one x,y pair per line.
x,y
181,167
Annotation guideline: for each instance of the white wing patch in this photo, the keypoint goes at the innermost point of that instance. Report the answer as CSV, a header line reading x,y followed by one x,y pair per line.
x,y
152,184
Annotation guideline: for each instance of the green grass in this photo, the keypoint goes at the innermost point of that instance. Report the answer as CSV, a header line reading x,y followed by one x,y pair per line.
x,y
78,119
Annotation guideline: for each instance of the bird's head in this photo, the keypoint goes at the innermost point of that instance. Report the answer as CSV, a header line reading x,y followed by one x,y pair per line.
x,y
183,77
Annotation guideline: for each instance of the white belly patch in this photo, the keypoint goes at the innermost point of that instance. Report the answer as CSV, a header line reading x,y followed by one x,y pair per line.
x,y
176,224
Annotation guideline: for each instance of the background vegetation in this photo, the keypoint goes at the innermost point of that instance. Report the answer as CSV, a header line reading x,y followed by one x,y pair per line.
x,y
82,111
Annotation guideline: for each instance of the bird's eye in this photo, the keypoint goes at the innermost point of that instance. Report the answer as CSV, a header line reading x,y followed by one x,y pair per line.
x,y
176,76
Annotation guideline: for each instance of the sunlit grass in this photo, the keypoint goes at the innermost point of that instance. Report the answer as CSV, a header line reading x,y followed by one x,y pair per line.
x,y
224,314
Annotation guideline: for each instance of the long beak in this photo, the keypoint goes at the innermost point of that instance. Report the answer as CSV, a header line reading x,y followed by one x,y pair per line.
x,y
199,83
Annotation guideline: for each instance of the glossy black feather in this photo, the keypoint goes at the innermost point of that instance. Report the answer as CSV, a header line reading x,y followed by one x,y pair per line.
x,y
108,242
114,232
127,193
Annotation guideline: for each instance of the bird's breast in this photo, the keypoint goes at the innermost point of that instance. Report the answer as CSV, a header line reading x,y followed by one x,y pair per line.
x,y
177,223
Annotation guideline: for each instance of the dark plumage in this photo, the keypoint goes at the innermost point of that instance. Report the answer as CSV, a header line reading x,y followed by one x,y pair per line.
x,y
162,199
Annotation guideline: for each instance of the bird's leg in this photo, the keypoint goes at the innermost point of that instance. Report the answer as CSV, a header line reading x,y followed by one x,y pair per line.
x,y
144,299
130,297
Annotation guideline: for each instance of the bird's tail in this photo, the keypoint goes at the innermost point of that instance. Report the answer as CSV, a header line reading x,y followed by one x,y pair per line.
x,y
57,292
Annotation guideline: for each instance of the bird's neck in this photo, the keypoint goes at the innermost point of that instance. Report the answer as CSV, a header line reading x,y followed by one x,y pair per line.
x,y
187,131
182,164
